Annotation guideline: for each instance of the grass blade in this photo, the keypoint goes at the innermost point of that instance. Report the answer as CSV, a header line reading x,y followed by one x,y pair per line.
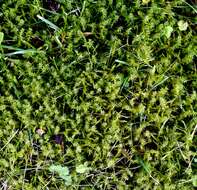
x,y
1,37
51,25
21,52
10,47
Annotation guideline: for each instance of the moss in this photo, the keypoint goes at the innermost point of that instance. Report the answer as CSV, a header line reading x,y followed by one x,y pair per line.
x,y
112,86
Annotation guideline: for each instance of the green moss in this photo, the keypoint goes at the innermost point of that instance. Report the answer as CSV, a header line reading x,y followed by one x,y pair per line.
x,y
111,84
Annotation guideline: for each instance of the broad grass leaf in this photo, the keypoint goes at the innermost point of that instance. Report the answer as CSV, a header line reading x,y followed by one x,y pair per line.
x,y
194,181
49,23
1,37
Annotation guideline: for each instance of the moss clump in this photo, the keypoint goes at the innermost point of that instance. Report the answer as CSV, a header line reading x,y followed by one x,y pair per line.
x,y
107,85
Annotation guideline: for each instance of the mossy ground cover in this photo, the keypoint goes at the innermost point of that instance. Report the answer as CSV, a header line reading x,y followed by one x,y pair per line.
x,y
98,94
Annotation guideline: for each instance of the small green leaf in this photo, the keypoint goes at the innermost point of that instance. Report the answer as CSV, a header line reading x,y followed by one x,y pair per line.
x,y
59,169
63,172
67,179
168,31
182,25
1,37
82,169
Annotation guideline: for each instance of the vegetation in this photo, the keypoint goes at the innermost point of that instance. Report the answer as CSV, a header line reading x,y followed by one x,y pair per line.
x,y
98,94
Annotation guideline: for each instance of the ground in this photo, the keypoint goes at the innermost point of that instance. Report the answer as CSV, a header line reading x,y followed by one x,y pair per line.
x,y
98,94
